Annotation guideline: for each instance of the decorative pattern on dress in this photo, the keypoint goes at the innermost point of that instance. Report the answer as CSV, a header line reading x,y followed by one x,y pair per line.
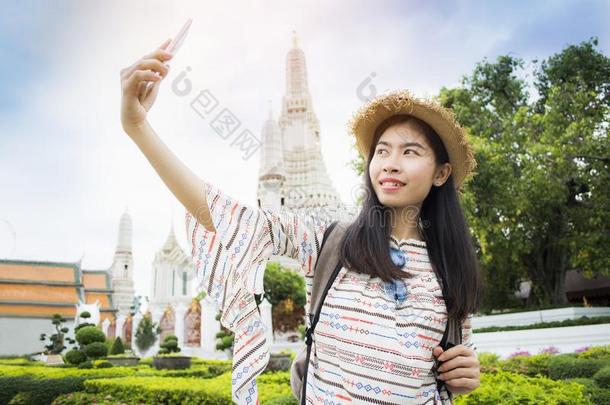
x,y
374,340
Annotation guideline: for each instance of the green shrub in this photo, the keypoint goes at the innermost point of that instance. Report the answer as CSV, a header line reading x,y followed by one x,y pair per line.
x,y
82,398
169,345
595,394
488,360
22,398
96,350
75,357
583,320
596,352
36,391
102,364
86,364
273,388
530,366
602,377
90,334
564,367
117,346
513,389
164,390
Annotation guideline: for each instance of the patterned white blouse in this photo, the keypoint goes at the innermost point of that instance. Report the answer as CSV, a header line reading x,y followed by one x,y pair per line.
x,y
374,340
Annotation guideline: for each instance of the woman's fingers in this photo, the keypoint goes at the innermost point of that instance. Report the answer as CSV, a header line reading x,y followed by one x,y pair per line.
x,y
145,64
459,361
460,372
160,54
150,95
131,85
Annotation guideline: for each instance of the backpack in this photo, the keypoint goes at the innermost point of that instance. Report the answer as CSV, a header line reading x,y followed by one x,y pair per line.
x,y
326,268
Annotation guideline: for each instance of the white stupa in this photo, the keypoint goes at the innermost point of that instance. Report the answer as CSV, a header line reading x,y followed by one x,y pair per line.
x,y
122,267
292,171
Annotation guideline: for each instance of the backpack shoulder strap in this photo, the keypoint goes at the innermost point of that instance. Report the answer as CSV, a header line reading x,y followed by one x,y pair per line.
x,y
325,263
326,268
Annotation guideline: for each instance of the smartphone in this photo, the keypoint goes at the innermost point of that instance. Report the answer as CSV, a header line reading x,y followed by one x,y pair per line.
x,y
173,47
177,41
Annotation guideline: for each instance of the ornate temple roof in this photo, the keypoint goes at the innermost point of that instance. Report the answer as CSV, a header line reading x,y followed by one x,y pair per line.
x,y
37,289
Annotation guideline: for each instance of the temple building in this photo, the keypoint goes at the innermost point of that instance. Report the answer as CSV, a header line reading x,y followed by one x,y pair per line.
x,y
292,173
32,291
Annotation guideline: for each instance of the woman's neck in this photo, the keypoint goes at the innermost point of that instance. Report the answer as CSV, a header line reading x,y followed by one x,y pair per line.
x,y
406,226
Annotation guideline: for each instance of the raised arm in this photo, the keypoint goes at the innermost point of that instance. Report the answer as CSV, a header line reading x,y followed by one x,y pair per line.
x,y
137,99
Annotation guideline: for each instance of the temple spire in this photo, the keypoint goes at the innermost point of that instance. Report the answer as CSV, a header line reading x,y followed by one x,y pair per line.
x,y
295,39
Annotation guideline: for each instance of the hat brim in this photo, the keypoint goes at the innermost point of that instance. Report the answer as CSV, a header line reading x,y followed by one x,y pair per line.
x,y
455,139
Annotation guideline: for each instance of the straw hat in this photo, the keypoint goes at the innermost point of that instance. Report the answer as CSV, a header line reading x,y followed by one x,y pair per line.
x,y
441,119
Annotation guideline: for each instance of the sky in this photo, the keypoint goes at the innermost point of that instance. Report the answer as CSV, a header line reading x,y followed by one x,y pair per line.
x,y
68,171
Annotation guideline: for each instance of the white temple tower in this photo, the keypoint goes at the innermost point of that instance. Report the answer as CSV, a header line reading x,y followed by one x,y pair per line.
x,y
122,267
172,274
271,173
292,171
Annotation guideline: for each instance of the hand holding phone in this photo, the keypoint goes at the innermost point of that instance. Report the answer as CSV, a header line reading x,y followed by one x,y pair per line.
x,y
173,48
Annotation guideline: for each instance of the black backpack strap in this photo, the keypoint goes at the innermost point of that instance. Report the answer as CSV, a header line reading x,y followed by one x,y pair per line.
x,y
451,338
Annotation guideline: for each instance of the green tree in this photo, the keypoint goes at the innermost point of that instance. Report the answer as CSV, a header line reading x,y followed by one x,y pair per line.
x,y
285,291
146,333
281,284
538,204
56,340
117,346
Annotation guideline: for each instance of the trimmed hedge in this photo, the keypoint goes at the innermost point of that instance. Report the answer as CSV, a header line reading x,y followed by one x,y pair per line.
x,y
602,377
90,334
273,388
514,389
45,383
544,325
37,391
530,366
562,367
596,352
158,390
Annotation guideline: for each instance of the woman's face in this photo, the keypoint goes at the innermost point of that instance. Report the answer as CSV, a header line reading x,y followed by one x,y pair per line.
x,y
402,155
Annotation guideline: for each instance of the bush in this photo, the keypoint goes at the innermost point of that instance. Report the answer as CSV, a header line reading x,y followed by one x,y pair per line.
x,y
75,357
22,398
564,367
513,389
583,320
90,334
531,366
96,350
169,345
592,391
86,364
160,390
488,359
36,391
273,388
146,333
596,352
602,377
117,347
83,398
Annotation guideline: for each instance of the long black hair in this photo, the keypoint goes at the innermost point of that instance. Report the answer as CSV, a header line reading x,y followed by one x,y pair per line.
x,y
443,227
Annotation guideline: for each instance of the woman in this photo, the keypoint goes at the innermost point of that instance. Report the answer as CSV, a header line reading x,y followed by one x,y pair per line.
x,y
408,262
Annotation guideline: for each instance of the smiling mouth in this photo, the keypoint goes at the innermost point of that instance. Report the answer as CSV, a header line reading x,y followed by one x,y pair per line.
x,y
390,185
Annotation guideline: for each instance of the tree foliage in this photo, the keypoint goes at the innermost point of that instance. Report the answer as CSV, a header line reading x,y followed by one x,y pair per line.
x,y
538,203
